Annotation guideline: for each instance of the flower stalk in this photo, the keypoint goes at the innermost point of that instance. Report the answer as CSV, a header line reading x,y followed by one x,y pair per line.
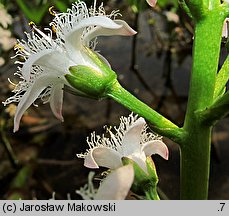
x,y
195,148
159,123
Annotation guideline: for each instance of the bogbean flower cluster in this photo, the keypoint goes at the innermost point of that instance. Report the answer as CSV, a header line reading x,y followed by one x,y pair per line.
x,y
131,140
69,59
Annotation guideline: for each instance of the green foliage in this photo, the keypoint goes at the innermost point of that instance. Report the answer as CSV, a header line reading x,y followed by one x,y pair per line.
x,y
137,6
34,14
36,10
164,3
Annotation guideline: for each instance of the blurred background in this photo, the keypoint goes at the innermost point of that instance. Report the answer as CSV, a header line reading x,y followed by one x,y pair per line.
x,y
154,65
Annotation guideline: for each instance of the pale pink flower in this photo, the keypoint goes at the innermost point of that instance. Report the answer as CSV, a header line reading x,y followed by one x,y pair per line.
x,y
131,140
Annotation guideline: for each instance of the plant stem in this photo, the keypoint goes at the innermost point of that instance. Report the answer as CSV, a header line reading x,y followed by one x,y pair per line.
x,y
216,111
152,194
195,150
161,125
222,79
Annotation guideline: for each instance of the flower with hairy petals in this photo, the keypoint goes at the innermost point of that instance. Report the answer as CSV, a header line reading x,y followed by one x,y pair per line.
x,y
46,60
131,140
115,186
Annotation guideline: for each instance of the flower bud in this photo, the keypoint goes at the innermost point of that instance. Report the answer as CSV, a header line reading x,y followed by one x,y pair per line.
x,y
92,81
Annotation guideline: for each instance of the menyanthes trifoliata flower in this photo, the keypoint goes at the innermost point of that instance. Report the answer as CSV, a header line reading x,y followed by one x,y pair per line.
x,y
131,140
47,59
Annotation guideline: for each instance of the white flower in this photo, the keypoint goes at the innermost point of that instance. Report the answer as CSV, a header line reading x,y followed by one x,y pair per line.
x,y
47,60
114,187
130,140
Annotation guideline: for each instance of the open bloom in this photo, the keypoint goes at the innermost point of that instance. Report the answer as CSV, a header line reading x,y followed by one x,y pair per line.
x,y
47,59
115,186
131,140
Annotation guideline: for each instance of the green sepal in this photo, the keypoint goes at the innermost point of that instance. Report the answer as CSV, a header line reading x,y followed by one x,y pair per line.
x,y
89,81
106,70
144,183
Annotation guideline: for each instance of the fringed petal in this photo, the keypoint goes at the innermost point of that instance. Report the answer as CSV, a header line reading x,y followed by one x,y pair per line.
x,y
48,58
156,147
103,156
56,101
124,30
117,184
30,96
132,137
73,38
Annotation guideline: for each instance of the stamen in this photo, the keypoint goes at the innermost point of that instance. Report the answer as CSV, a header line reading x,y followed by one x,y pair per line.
x,y
34,27
32,24
19,46
53,28
51,11
22,49
11,82
95,1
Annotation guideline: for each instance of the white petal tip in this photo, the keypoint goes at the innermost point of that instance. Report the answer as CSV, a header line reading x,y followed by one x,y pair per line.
x,y
156,147
61,118
132,32
91,165
166,155
164,152
152,3
16,127
89,162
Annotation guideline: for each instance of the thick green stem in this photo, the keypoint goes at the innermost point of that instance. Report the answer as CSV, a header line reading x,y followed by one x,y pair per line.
x,y
161,125
195,150
152,194
195,161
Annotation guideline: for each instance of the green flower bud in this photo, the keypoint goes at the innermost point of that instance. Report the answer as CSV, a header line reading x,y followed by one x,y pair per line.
x,y
89,80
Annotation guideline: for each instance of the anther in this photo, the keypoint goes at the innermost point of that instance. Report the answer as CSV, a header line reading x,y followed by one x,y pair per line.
x,y
53,28
51,11
32,24
18,46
